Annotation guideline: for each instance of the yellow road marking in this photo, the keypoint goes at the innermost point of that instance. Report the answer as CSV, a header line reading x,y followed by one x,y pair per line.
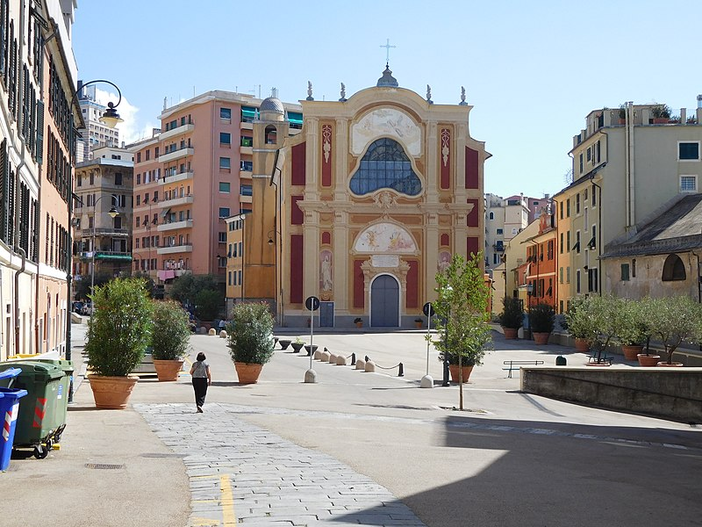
x,y
227,501
208,476
205,522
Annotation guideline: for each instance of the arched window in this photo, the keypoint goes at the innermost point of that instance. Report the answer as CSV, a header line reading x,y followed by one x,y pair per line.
x,y
492,215
385,165
673,269
271,135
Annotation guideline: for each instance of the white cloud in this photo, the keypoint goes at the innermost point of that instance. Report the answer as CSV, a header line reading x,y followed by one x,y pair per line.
x,y
130,130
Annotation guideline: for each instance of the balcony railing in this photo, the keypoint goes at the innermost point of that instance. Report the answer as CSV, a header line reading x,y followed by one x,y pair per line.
x,y
175,201
180,176
175,225
87,233
176,154
189,127
172,249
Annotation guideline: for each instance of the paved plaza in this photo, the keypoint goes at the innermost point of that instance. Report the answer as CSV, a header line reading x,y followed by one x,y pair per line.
x,y
359,448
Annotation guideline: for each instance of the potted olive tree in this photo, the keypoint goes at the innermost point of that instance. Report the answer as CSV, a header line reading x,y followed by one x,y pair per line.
x,y
118,333
169,339
462,316
582,323
512,317
631,327
675,320
250,340
542,319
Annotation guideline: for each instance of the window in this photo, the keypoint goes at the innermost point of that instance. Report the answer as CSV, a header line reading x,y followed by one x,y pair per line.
x,y
689,151
246,190
633,268
568,208
224,212
581,163
568,240
592,280
688,183
561,250
499,231
594,195
246,141
138,157
577,281
491,216
225,163
568,275
225,138
577,203
246,166
385,165
225,113
224,187
560,275
118,179
560,205
138,179
271,135
229,278
222,237
589,155
673,269
576,247
148,155
624,275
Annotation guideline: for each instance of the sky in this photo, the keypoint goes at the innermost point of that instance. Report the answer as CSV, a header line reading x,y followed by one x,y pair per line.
x,y
531,70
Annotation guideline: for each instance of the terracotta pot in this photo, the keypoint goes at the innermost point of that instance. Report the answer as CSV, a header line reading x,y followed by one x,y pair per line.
x,y
418,325
511,333
359,324
671,365
112,392
631,352
648,360
248,372
453,368
167,370
582,345
541,338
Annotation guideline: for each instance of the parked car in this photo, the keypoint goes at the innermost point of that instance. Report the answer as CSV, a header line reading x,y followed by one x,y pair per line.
x,y
87,309
77,307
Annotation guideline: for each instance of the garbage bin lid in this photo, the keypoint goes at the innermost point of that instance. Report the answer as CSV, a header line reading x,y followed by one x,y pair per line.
x,y
37,369
10,373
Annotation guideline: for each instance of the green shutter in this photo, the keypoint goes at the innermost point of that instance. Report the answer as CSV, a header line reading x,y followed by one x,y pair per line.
x,y
40,132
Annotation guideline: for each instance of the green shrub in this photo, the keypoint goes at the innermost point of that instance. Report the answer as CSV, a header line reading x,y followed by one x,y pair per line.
x,y
171,332
251,333
120,328
512,313
542,318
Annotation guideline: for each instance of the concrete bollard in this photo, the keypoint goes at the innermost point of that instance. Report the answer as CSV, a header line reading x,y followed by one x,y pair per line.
x,y
212,332
341,360
324,357
370,366
332,358
360,364
318,355
202,330
223,334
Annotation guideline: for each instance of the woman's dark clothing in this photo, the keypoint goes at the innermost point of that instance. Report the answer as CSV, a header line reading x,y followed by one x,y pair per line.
x,y
200,387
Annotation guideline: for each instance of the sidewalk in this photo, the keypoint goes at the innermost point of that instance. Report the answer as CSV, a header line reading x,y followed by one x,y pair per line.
x,y
354,448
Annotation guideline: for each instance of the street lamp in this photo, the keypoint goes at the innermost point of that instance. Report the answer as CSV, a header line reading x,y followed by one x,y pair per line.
x,y
446,293
110,118
113,212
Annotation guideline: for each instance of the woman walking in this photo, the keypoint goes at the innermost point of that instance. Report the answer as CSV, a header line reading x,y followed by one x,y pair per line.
x,y
200,371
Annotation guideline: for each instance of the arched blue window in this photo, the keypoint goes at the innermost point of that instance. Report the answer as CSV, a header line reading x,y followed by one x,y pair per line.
x,y
385,165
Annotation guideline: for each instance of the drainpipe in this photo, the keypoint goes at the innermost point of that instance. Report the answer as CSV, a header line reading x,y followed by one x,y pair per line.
x,y
629,167
599,235
699,278
17,309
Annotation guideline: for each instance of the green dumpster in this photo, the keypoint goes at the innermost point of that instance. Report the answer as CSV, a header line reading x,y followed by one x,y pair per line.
x,y
42,415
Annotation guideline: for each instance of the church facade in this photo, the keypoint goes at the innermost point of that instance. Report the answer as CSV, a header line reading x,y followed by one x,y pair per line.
x,y
366,204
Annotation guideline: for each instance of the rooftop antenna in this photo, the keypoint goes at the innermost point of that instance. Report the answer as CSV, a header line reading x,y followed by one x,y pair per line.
x,y
165,99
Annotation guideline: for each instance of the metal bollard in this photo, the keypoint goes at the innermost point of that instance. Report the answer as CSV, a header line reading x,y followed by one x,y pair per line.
x,y
401,373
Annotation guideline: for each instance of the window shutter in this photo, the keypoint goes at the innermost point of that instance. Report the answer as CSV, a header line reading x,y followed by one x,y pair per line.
x,y
40,132
4,187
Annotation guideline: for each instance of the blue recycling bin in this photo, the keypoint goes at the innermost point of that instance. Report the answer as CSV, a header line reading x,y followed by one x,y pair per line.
x,y
9,410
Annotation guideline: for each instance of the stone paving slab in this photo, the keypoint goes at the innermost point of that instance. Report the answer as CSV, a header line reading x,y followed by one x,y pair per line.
x,y
243,474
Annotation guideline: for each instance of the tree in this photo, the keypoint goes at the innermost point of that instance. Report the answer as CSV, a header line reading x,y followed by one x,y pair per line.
x,y
462,312
208,304
185,289
675,320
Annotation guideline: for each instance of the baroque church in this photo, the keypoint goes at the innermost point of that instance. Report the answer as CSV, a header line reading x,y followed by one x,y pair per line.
x,y
363,207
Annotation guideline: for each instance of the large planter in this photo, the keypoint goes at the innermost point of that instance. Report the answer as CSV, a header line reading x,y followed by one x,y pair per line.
x,y
248,373
541,338
453,368
582,345
511,333
631,352
297,346
284,344
112,393
666,364
167,370
310,349
648,360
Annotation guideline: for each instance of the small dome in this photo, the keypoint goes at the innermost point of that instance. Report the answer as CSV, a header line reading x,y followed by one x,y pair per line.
x,y
272,104
387,79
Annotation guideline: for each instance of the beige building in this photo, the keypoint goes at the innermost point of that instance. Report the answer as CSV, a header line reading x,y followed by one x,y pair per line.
x,y
627,163
378,192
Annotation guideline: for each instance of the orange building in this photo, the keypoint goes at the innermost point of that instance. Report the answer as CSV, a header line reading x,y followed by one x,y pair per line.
x,y
540,269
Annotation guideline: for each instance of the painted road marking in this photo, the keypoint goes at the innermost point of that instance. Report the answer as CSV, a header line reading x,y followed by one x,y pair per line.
x,y
227,501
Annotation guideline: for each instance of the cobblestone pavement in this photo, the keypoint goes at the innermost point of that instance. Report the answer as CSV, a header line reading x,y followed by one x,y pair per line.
x,y
242,474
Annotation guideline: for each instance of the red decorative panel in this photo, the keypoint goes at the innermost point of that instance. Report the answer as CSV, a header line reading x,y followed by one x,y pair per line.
x,y
296,215
326,238
471,168
327,158
298,164
445,159
358,284
472,245
444,240
296,268
472,219
412,298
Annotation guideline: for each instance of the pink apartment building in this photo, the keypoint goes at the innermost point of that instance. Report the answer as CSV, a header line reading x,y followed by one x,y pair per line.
x,y
202,161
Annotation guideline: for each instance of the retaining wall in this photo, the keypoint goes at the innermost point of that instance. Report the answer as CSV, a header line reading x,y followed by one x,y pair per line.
x,y
669,393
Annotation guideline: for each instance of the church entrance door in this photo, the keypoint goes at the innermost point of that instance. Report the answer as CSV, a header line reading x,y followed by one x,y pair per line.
x,y
385,302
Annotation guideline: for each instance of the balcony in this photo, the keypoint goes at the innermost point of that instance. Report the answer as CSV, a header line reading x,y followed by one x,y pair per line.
x,y
107,255
173,249
174,202
176,154
117,233
175,225
246,150
177,131
180,176
499,247
245,126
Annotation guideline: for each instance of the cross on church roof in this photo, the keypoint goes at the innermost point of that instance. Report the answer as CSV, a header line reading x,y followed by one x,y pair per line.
x,y
387,47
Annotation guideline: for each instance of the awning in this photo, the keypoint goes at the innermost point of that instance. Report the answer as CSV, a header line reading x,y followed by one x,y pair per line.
x,y
576,247
118,257
248,113
165,212
295,118
591,243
